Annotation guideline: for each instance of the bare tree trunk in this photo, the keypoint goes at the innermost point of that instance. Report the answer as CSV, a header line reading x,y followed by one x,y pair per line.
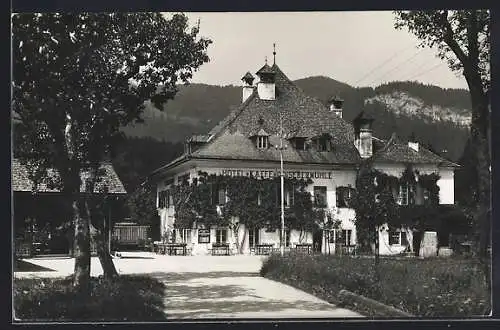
x,y
102,252
97,234
377,253
243,240
98,238
481,143
327,241
81,280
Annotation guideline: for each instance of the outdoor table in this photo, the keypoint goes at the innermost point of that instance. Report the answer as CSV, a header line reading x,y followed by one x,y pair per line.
x,y
349,249
307,248
264,249
220,249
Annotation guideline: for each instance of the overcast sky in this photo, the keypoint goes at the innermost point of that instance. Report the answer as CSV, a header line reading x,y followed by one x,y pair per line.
x,y
358,48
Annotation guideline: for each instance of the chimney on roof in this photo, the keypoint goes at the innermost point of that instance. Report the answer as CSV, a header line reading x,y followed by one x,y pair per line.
x,y
413,145
412,142
248,87
266,87
363,134
335,105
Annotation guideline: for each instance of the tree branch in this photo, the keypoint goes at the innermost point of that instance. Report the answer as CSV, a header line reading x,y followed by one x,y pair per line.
x,y
449,39
472,42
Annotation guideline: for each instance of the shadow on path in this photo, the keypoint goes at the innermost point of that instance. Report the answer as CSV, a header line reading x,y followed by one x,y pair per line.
x,y
134,257
172,277
187,296
200,309
24,266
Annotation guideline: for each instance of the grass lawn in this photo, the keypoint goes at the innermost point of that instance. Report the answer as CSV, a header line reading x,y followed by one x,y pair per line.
x,y
127,298
434,287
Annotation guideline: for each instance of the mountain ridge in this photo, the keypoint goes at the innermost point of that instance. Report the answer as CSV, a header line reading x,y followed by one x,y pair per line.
x,y
437,116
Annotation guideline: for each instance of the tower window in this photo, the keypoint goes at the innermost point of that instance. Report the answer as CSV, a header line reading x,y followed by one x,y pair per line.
x,y
262,142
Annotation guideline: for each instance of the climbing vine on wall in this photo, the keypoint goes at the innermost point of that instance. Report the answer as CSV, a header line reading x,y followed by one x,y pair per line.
x,y
254,202
376,201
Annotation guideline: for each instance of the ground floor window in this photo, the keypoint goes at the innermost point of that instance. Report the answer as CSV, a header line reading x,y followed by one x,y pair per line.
x,y
319,196
397,238
330,236
253,237
185,235
221,236
343,236
287,237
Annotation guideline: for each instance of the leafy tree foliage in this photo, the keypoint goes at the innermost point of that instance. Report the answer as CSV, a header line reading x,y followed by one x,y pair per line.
x,y
251,201
77,78
462,39
376,206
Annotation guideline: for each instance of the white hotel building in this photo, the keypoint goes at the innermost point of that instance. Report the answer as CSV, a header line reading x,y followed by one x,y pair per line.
x,y
319,144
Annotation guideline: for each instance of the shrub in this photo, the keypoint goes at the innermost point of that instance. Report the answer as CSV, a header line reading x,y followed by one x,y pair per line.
x,y
126,298
435,287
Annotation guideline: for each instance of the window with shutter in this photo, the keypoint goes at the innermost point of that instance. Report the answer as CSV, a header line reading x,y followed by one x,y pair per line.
x,y
319,196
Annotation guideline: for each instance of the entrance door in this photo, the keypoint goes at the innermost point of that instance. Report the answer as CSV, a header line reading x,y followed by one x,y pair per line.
x,y
317,240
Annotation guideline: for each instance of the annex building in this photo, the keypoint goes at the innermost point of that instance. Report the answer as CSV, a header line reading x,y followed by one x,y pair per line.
x,y
317,144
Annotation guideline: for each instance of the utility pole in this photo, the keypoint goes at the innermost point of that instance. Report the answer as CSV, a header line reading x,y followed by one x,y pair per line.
x,y
282,177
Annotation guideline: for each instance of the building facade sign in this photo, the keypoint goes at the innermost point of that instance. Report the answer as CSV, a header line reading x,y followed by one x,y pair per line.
x,y
203,236
266,174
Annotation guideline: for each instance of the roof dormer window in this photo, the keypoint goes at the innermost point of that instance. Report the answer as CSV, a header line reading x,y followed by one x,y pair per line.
x,y
262,142
299,143
261,139
323,143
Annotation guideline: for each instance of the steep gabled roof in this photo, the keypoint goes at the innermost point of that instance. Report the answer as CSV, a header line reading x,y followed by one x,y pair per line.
x,y
302,116
396,151
259,132
198,138
22,182
265,69
239,147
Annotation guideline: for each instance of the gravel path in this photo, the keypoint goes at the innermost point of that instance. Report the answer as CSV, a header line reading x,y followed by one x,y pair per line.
x,y
209,287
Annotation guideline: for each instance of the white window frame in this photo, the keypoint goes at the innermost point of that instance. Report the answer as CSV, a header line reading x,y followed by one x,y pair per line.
x,y
400,237
289,197
222,192
404,194
186,235
262,142
346,239
252,241
218,232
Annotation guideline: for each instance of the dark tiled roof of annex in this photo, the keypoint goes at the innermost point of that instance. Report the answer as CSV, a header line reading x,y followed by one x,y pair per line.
x,y
302,116
396,151
22,183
